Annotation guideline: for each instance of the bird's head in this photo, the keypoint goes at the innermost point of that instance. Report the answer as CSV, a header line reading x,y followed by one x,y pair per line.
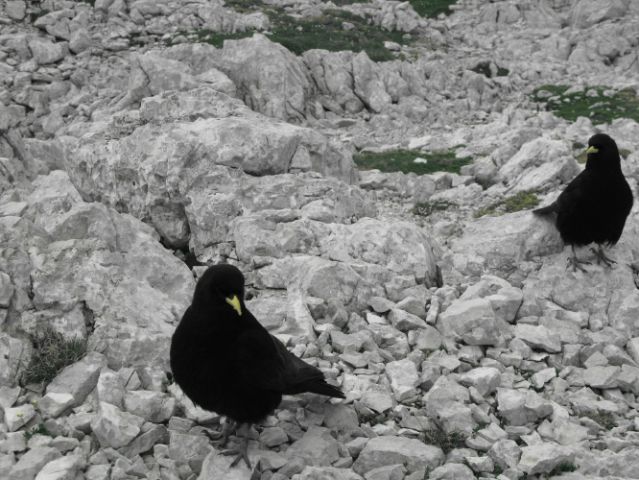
x,y
221,284
602,151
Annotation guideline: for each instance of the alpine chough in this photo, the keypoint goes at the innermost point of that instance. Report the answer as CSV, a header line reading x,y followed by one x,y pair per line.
x,y
225,361
595,204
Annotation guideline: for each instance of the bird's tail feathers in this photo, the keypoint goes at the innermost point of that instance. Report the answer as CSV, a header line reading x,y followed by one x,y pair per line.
x,y
545,210
320,386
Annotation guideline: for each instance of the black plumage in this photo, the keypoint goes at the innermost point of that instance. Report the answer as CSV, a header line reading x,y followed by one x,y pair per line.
x,y
225,361
595,204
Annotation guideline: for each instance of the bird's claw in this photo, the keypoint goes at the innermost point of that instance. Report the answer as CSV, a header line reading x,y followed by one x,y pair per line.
x,y
602,258
576,264
220,439
242,454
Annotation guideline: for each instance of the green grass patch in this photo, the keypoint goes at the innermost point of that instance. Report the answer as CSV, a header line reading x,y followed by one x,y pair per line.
x,y
514,203
334,30
327,32
244,6
52,352
39,429
591,102
404,161
605,419
432,8
216,39
565,467
424,209
445,441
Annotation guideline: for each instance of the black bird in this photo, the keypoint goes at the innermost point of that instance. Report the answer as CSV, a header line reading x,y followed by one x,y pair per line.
x,y
595,204
225,361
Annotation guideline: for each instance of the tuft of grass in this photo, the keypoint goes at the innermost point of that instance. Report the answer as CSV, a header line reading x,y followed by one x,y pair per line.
x,y
445,441
605,419
424,209
328,32
596,103
52,352
432,8
565,467
333,30
404,161
514,203
39,429
243,6
205,35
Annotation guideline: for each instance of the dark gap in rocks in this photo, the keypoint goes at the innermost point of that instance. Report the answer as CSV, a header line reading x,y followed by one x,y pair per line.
x,y
89,318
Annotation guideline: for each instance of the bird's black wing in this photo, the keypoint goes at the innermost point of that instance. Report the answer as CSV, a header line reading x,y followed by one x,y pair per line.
x,y
267,364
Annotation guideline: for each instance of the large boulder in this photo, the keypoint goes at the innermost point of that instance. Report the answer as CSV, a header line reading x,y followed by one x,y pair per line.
x,y
192,161
74,259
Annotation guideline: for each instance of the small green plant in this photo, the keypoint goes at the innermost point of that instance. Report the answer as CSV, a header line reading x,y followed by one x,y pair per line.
x,y
432,8
514,203
565,467
404,161
204,35
424,209
445,441
605,419
52,352
39,429
598,103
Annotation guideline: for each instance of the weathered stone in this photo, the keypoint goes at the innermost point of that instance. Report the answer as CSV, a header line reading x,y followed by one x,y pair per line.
x,y
484,379
45,51
17,417
473,321
115,428
538,336
317,447
403,378
32,462
601,377
519,407
544,458
452,471
413,454
64,468
78,379
54,404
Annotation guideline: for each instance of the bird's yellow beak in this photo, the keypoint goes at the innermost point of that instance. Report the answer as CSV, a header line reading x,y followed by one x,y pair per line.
x,y
235,303
592,149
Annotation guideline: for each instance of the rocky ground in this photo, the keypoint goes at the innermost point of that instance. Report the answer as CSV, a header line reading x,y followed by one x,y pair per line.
x,y
132,154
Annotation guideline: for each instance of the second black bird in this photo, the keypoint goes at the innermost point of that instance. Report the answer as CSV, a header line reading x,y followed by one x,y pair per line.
x,y
225,361
595,204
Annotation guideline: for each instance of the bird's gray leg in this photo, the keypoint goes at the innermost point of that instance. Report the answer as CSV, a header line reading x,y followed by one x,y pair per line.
x,y
601,256
221,438
242,449
575,263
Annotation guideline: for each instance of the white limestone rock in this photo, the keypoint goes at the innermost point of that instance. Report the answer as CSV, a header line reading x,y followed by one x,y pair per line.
x,y
115,428
544,458
32,462
63,468
484,379
413,454
17,417
403,377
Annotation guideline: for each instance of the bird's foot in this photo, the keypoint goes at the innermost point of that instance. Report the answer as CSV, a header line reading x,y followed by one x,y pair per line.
x,y
241,451
602,258
220,439
576,264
